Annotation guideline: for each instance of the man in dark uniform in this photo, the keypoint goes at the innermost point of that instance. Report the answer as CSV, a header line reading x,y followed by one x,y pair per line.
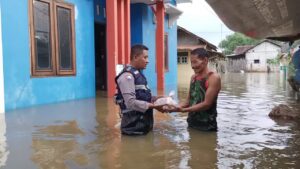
x,y
133,96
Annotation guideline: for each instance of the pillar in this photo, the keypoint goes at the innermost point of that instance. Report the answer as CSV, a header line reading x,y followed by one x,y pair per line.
x,y
160,14
112,45
121,37
127,30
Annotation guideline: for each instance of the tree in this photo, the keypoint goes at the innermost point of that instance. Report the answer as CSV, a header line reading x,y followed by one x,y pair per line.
x,y
232,41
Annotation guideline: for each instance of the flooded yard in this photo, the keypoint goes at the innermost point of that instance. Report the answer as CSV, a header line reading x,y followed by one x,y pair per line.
x,y
85,134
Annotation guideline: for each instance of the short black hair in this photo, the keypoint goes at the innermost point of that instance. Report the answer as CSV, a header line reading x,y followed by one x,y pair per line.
x,y
137,50
200,53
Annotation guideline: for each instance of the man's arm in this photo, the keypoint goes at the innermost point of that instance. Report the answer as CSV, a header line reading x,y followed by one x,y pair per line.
x,y
214,87
127,87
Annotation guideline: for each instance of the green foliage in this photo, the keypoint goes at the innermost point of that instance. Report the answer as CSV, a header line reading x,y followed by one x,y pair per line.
x,y
274,61
291,67
232,41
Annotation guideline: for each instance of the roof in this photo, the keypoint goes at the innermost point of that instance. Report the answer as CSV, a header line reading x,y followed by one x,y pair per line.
x,y
278,20
265,40
242,49
239,51
189,47
197,37
249,47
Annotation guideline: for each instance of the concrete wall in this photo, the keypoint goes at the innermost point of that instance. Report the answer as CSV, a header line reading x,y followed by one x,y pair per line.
x,y
143,30
262,52
2,103
185,72
22,90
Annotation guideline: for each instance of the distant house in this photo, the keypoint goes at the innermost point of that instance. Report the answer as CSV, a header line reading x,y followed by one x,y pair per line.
x,y
186,42
257,57
254,58
237,61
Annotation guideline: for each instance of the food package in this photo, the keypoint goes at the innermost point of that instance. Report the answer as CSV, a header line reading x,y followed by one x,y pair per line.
x,y
167,102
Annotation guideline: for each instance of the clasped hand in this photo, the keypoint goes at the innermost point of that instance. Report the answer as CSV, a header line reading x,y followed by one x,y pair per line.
x,y
169,108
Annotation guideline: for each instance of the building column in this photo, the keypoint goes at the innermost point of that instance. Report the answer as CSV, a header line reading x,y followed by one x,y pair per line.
x,y
121,37
112,45
127,30
2,102
160,66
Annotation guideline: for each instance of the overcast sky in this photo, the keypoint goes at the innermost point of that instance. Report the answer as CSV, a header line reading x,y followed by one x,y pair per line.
x,y
199,18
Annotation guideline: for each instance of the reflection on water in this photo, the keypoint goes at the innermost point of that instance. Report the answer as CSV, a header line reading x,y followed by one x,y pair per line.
x,y
85,133
55,145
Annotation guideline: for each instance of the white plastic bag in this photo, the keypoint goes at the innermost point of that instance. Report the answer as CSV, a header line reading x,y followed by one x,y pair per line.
x,y
167,102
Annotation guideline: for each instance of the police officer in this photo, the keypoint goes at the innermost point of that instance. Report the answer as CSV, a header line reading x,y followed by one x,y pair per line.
x,y
133,95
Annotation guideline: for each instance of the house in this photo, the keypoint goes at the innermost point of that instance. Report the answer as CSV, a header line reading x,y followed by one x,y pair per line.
x,y
186,42
60,50
258,56
254,58
237,61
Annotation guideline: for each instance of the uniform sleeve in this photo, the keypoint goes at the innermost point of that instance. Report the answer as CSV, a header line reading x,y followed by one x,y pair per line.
x,y
127,87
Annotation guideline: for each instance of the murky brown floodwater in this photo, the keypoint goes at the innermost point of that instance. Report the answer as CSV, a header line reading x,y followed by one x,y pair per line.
x,y
85,133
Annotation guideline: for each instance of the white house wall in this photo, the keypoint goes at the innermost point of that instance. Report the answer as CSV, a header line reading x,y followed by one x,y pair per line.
x,y
261,52
1,70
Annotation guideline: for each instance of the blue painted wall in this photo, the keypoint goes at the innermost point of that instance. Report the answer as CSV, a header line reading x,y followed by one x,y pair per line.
x,y
145,33
100,11
20,89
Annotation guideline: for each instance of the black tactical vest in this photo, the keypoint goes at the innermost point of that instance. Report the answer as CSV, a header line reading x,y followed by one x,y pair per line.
x,y
134,122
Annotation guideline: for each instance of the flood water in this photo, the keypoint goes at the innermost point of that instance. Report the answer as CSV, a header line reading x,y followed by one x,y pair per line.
x,y
85,134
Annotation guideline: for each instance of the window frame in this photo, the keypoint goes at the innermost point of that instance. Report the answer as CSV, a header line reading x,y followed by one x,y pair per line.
x,y
181,56
53,40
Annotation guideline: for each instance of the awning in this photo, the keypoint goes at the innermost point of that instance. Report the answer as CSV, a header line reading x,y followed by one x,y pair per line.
x,y
173,13
260,19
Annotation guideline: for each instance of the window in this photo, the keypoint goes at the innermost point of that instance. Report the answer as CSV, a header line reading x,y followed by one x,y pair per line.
x,y
256,61
166,53
52,38
182,58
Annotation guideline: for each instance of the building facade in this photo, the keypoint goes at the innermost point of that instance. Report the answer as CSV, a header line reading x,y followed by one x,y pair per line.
x,y
55,51
186,42
257,57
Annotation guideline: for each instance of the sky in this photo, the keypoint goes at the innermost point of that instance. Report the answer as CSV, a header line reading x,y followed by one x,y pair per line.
x,y
199,18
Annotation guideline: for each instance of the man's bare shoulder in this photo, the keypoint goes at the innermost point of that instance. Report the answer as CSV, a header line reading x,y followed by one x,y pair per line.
x,y
215,76
214,80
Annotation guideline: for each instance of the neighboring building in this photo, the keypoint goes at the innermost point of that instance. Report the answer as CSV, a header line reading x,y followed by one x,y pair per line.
x,y
186,42
257,57
237,61
253,58
55,51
